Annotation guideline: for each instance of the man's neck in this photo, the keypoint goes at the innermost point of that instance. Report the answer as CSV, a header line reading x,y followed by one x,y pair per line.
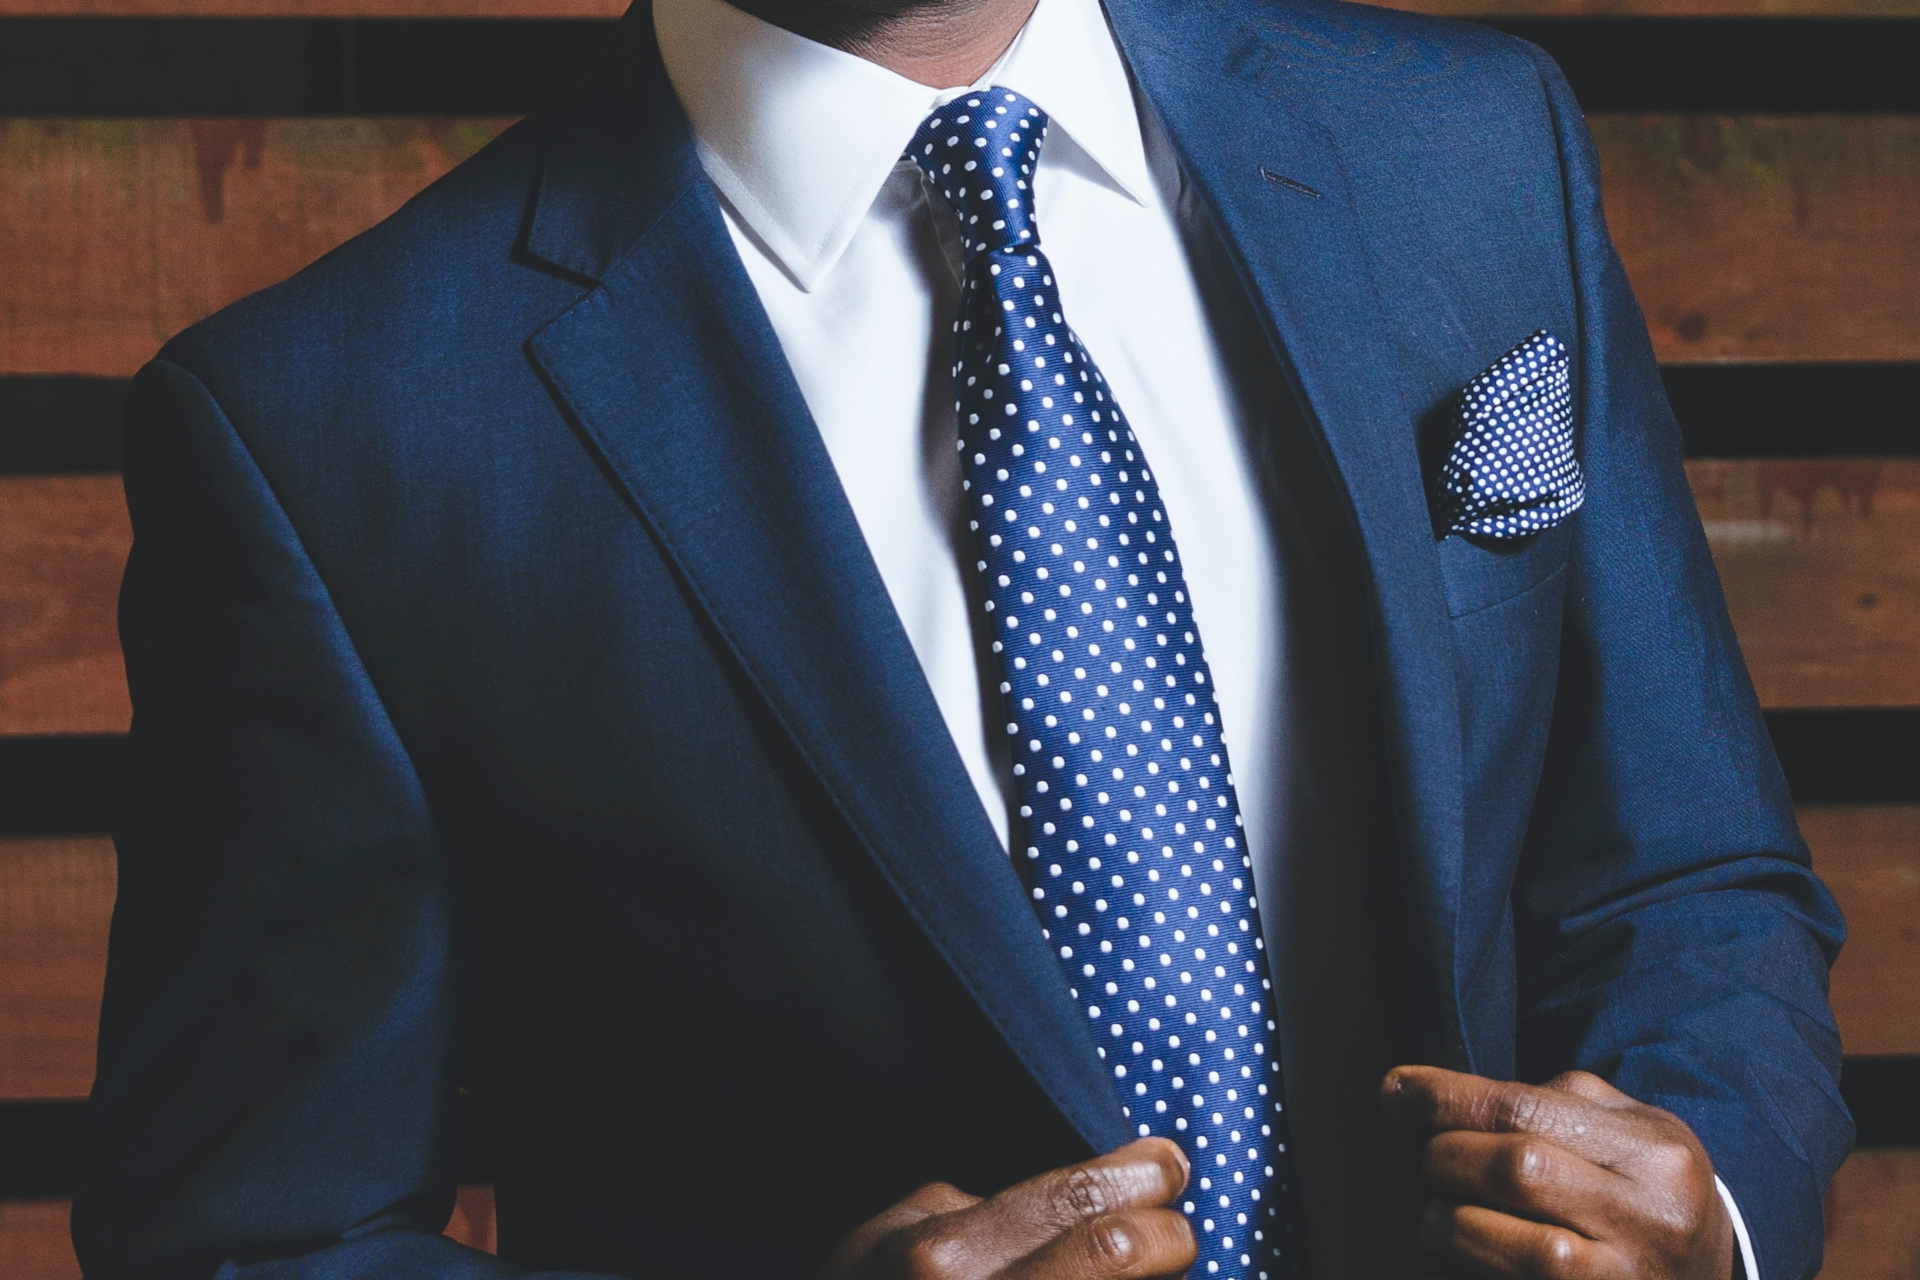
x,y
945,44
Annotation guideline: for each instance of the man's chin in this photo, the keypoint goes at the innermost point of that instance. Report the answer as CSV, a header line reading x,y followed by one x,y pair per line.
x,y
801,14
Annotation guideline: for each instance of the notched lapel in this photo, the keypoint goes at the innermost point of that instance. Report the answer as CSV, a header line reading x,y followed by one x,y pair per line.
x,y
1272,178
671,370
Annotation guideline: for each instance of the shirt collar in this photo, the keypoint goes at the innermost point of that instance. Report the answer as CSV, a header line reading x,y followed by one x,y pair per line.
x,y
799,137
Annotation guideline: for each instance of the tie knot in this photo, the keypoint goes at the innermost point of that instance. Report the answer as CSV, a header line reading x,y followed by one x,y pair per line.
x,y
980,151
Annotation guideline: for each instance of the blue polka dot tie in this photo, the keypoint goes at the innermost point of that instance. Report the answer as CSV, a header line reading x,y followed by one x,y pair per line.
x,y
1129,829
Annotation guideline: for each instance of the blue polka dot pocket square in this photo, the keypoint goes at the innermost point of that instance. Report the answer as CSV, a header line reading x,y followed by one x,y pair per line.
x,y
1505,461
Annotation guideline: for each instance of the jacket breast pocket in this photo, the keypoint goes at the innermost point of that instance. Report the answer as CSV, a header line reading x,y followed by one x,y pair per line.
x,y
1478,573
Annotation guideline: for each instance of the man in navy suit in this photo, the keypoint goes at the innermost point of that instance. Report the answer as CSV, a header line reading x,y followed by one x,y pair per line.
x,y
561,634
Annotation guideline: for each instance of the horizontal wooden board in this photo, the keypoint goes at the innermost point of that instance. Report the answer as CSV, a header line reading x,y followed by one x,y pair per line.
x,y
1621,8
63,545
1756,238
1748,238
56,901
473,1221
536,9
1820,559
1872,1230
119,233
613,8
1821,564
1869,855
1873,1217
35,1244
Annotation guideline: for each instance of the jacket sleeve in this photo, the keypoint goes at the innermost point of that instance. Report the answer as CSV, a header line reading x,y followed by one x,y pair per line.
x,y
1672,936
276,1073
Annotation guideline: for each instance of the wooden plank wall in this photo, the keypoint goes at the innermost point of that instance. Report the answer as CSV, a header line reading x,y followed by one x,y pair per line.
x,y
201,212
1781,241
1639,8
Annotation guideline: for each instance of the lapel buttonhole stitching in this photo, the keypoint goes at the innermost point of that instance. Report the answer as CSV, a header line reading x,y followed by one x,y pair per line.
x,y
1291,184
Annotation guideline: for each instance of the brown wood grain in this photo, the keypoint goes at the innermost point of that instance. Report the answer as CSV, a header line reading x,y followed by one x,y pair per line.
x,y
1873,1217
473,1223
613,8
1769,238
1821,563
56,901
35,1245
313,8
1869,855
1820,560
119,233
1748,238
63,544
56,896
1650,8
1873,1231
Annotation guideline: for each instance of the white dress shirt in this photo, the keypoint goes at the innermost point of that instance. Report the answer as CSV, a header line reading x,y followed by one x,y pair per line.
x,y
857,263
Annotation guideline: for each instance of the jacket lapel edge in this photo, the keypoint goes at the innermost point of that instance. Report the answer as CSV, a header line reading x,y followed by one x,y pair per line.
x,y
711,460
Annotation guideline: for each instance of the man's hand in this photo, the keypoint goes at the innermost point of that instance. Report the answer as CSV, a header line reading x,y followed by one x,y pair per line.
x,y
1571,1180
1105,1219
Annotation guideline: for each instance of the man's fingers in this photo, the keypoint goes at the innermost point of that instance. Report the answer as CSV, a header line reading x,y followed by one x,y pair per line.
x,y
1530,1176
1630,1180
1133,1244
934,1198
1490,1243
1433,1098
1141,1175
1591,1087
930,1201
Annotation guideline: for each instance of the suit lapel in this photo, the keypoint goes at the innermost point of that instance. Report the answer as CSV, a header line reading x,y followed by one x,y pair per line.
x,y
670,369
1272,178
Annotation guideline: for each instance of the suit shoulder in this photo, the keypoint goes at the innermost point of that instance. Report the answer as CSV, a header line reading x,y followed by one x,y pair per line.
x,y
1349,31
1371,60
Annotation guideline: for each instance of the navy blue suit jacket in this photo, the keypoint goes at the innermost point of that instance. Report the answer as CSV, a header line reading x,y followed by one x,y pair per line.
x,y
517,709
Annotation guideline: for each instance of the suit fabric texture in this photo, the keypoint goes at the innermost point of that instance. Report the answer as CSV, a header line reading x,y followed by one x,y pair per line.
x,y
517,709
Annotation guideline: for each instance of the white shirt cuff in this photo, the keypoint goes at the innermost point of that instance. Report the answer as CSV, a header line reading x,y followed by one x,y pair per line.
x,y
1747,1262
